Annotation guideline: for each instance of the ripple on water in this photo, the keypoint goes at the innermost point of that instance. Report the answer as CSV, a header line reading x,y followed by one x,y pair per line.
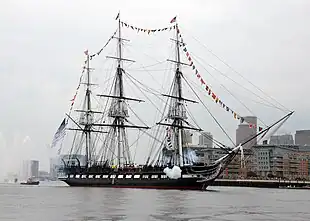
x,y
92,204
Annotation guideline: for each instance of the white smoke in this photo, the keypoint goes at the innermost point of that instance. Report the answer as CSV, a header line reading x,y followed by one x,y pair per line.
x,y
173,173
190,156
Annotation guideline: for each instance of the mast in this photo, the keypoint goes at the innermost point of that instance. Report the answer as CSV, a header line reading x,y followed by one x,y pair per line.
x,y
177,112
88,112
119,120
179,83
118,110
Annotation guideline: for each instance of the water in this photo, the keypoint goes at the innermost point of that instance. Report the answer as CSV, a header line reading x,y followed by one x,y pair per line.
x,y
60,203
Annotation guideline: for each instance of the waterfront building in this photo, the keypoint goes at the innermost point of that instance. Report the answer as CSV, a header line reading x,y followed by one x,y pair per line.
x,y
246,129
282,161
206,139
302,137
285,139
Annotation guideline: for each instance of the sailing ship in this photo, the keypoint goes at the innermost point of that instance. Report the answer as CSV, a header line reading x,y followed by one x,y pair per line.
x,y
169,168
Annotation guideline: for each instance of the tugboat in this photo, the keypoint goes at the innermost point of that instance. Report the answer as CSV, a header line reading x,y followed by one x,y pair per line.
x,y
169,165
30,181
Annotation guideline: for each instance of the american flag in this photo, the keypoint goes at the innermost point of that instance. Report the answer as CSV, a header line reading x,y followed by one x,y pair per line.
x,y
60,133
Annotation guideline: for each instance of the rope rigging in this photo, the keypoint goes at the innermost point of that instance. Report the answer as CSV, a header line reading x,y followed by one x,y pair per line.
x,y
111,144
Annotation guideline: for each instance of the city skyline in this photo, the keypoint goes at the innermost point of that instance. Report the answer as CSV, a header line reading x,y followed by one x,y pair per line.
x,y
38,91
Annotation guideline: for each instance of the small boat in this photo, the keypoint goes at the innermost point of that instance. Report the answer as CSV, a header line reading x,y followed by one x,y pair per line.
x,y
30,182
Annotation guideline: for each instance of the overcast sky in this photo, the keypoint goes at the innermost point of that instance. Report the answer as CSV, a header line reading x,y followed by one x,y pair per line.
x,y
42,44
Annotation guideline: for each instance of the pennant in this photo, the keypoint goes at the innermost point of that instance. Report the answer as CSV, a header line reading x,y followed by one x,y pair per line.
x,y
73,98
117,16
86,52
213,95
173,20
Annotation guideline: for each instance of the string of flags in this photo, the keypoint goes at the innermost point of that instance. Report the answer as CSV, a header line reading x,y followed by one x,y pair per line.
x,y
84,67
210,92
80,82
208,89
98,53
124,24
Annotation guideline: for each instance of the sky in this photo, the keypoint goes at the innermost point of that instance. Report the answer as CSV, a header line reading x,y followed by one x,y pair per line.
x,y
42,44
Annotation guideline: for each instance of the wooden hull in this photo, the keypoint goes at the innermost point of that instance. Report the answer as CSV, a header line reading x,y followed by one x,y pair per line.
x,y
137,181
179,184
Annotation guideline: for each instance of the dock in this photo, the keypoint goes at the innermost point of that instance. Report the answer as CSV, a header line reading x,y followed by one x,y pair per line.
x,y
261,183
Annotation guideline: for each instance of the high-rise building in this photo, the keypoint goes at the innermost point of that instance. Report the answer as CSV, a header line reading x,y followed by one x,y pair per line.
x,y
302,137
206,139
246,130
34,168
286,139
25,174
30,169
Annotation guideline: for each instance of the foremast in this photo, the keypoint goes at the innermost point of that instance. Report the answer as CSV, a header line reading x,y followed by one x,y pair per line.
x,y
85,123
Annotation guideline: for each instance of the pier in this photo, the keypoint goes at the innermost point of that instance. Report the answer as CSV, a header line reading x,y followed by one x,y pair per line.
x,y
262,183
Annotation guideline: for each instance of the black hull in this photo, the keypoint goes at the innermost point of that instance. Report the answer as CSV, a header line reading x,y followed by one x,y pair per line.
x,y
178,184
185,178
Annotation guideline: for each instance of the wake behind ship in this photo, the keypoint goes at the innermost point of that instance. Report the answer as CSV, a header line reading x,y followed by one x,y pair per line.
x,y
102,137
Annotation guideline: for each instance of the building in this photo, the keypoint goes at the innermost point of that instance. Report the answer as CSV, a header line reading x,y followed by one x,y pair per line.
x,y
43,175
286,139
302,137
25,174
34,168
206,139
30,168
246,130
285,161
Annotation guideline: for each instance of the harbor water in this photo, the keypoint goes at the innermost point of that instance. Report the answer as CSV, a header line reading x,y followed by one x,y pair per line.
x,y
56,202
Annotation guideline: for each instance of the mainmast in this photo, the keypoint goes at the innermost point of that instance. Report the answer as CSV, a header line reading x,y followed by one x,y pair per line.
x,y
118,110
88,118
181,109
119,120
177,111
